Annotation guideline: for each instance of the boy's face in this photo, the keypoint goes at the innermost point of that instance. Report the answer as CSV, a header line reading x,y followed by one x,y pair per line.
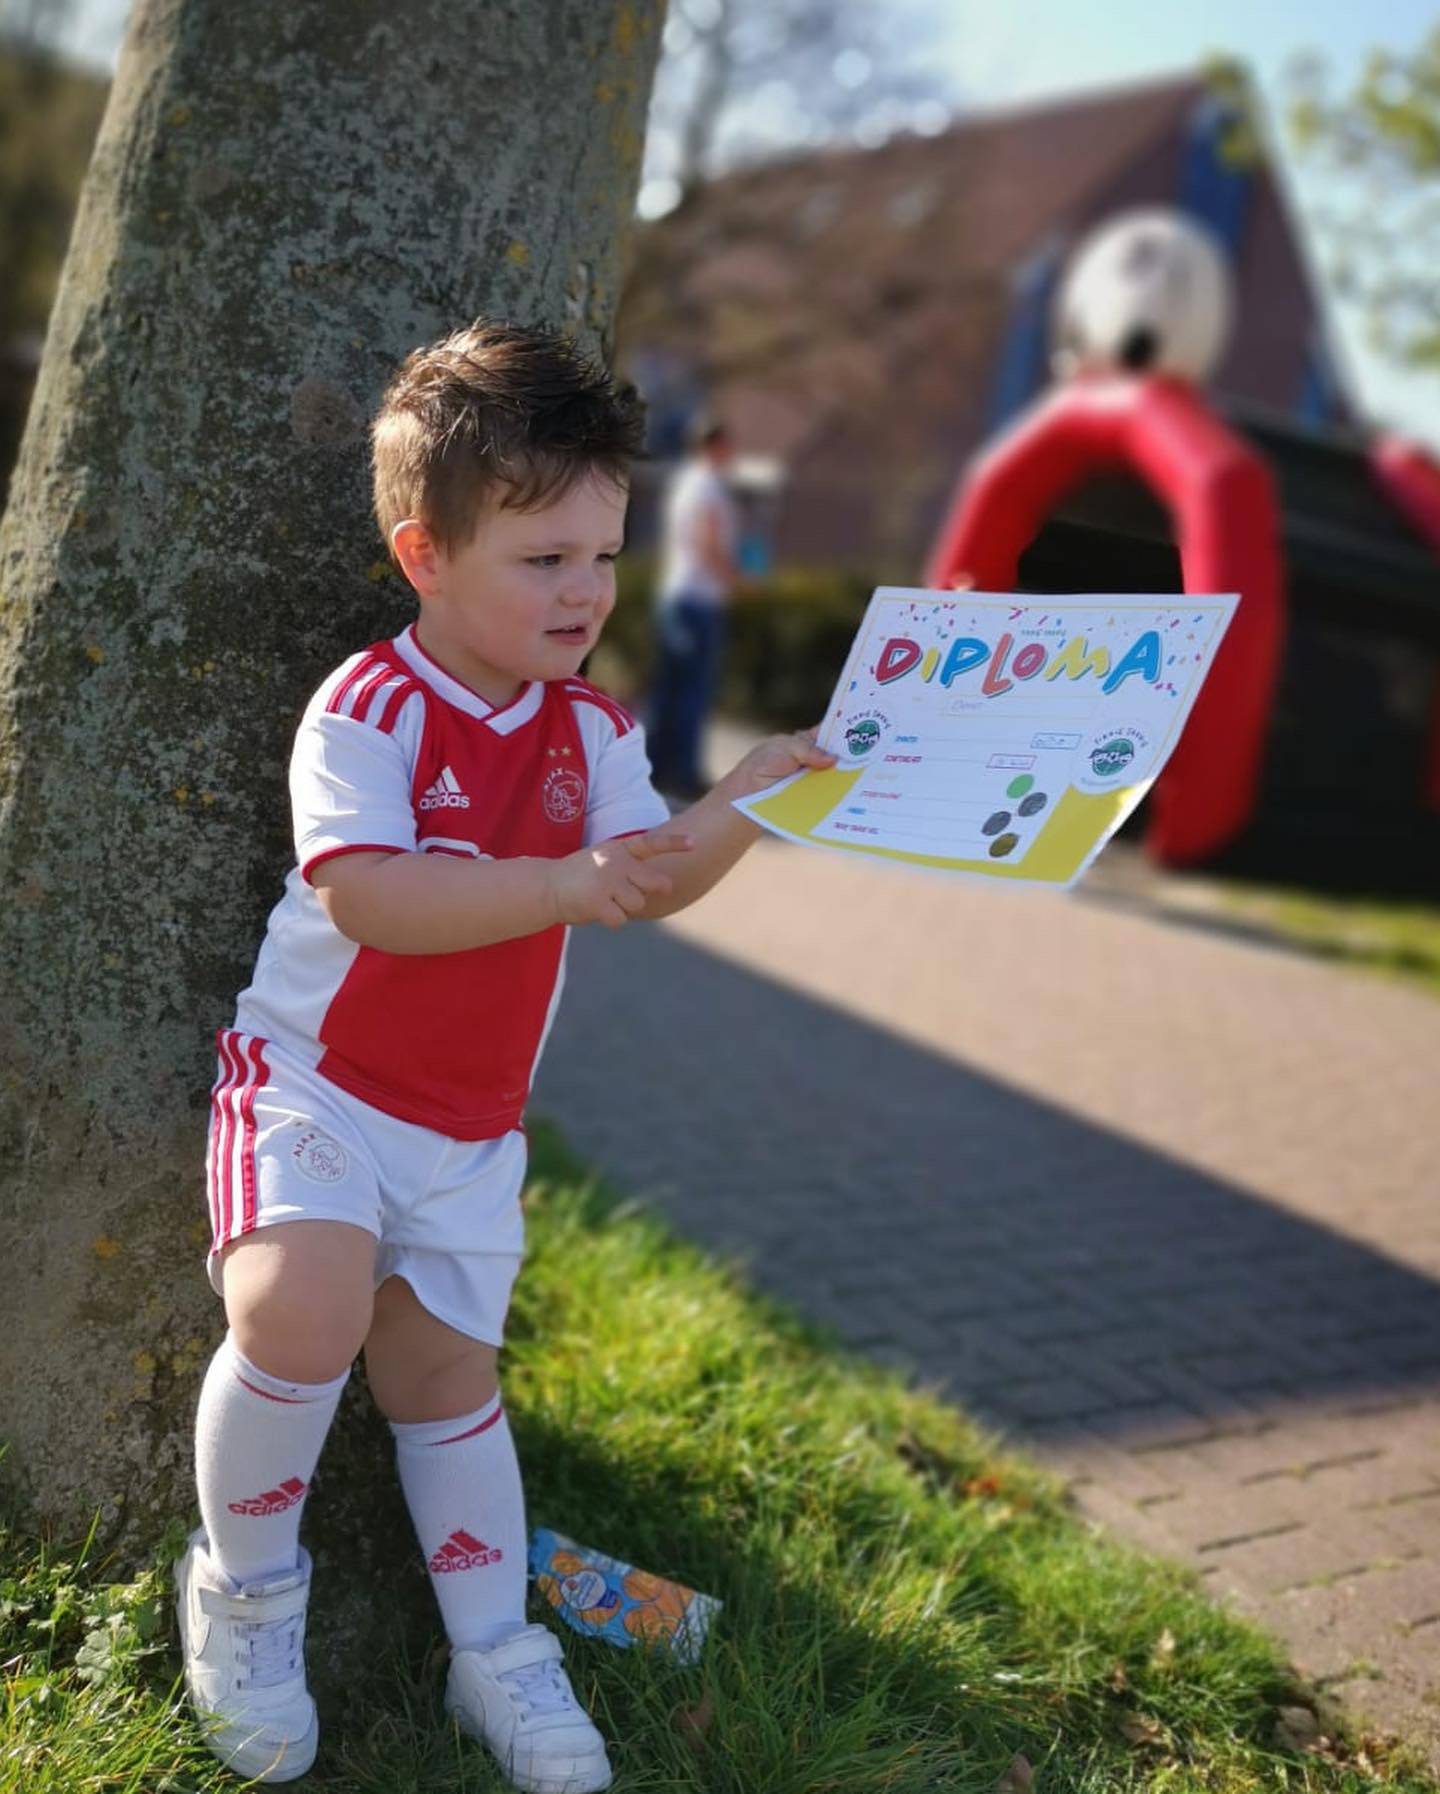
x,y
526,597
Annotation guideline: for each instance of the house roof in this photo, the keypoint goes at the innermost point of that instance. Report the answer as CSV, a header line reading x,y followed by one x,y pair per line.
x,y
845,308
819,272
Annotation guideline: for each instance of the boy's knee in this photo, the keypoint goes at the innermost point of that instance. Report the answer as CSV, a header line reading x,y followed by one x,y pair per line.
x,y
301,1341
295,1317
418,1367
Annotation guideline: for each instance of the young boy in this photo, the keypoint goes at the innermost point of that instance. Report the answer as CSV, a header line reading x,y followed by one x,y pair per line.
x,y
461,799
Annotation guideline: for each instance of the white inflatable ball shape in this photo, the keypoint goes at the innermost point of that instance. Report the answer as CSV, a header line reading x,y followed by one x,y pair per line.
x,y
1150,292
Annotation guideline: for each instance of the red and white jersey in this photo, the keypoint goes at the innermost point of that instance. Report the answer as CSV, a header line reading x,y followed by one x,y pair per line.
x,y
394,754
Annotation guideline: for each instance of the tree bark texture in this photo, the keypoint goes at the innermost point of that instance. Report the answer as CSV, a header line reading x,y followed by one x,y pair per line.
x,y
286,196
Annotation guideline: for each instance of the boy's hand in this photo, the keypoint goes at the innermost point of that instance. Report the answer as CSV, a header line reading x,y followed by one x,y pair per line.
x,y
610,883
776,759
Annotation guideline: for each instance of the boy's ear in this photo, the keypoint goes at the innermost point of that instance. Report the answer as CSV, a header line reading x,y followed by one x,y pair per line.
x,y
418,554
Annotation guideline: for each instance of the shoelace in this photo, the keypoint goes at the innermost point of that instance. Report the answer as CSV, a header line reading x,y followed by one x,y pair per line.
x,y
274,1651
541,1687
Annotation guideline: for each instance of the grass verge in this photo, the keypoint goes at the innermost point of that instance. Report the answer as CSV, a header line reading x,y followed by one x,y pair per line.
x,y
906,1609
1389,939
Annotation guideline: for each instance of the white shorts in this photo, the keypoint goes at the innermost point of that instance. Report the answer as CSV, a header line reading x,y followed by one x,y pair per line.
x,y
288,1145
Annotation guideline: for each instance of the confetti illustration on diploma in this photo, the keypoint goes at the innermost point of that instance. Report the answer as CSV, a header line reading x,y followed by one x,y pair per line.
x,y
998,734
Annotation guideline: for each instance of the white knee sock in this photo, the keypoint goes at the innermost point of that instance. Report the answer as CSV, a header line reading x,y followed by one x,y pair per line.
x,y
462,1482
257,1440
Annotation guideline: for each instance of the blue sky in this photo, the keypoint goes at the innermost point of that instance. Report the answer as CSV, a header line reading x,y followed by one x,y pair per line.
x,y
1004,51
1026,50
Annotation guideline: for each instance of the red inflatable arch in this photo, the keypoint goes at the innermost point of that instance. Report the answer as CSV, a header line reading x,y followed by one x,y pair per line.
x,y
1410,479
1222,503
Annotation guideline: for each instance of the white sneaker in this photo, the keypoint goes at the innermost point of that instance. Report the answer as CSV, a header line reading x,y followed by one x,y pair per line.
x,y
244,1650
516,1698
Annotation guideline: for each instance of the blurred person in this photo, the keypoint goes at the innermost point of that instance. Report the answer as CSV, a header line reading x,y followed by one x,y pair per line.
x,y
461,798
698,571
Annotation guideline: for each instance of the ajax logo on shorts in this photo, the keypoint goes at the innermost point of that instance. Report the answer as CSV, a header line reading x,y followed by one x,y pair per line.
x,y
319,1158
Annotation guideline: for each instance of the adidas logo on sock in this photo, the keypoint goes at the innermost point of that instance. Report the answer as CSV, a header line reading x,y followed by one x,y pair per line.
x,y
462,1551
273,1501
445,794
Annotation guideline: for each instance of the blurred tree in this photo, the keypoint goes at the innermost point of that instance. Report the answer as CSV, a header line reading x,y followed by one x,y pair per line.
x,y
1378,150
285,197
740,79
49,113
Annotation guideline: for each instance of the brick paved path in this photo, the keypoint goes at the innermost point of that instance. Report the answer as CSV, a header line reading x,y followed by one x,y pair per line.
x,y
1161,1206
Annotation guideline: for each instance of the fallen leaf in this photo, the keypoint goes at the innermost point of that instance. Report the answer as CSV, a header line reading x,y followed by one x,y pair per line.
x,y
1019,1778
1119,1681
1143,1732
982,1485
1163,1656
1296,1728
694,1723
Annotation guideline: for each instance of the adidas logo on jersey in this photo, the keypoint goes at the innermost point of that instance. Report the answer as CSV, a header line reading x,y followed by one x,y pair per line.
x,y
463,1551
445,794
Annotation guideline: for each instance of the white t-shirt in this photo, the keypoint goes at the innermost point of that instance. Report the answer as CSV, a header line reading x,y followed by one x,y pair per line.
x,y
697,501
394,755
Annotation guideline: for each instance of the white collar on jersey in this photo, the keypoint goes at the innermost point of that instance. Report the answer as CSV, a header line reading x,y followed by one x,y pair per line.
x,y
503,721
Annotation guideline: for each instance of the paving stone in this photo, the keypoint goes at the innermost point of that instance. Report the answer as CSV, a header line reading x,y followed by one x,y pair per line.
x,y
1336,1546
1209,1519
1369,1484
1014,1360
1248,1457
1225,1410
1080,1453
1046,1397
1135,1525
1414,1525
1151,1426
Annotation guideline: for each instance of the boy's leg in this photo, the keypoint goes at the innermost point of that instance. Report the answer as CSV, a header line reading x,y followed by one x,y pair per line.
x,y
457,1463
507,1685
298,1299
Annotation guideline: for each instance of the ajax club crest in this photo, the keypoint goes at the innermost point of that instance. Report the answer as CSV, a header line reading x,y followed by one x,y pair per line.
x,y
319,1158
563,792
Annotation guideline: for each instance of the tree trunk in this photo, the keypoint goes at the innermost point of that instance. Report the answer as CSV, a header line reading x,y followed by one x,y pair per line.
x,y
285,197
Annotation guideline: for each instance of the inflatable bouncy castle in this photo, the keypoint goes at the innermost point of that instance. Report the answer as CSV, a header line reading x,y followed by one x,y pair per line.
x,y
1141,319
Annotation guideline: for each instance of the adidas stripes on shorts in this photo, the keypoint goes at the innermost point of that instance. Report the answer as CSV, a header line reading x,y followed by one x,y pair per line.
x,y
288,1145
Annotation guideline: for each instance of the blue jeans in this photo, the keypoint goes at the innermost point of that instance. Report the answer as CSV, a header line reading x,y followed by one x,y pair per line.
x,y
691,640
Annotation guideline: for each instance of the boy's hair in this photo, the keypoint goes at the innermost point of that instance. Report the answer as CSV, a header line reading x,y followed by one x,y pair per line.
x,y
496,409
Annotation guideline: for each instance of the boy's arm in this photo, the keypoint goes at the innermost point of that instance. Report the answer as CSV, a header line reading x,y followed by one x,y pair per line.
x,y
721,833
435,903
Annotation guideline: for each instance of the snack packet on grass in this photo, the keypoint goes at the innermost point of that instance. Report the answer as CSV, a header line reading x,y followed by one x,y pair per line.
x,y
604,1598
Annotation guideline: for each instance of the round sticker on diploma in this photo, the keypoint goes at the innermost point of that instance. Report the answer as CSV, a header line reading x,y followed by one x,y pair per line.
x,y
861,734
1112,758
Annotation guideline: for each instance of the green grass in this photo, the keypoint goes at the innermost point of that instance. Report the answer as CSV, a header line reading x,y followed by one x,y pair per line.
x,y
906,1608
1393,939
1400,939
